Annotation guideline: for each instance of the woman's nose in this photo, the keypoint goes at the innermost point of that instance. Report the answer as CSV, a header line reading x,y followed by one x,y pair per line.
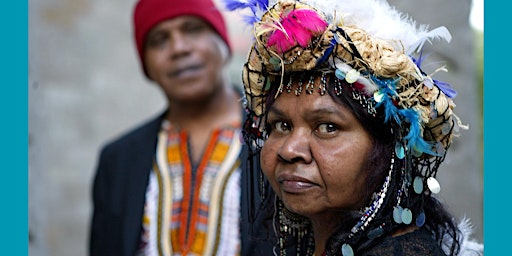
x,y
295,147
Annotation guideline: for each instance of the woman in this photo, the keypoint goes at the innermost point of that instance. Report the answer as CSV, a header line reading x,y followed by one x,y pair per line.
x,y
350,130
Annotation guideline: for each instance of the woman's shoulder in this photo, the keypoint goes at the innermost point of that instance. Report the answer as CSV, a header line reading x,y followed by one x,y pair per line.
x,y
418,242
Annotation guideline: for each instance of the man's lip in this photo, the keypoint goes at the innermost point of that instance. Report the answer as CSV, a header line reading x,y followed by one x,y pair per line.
x,y
185,70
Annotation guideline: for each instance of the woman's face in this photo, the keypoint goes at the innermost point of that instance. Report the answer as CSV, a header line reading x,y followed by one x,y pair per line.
x,y
316,155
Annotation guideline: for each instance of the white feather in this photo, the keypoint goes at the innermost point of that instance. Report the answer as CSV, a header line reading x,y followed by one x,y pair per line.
x,y
468,246
380,20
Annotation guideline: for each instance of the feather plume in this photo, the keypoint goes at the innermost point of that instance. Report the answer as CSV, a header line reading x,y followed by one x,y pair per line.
x,y
437,33
380,20
468,246
390,111
446,88
297,27
257,8
367,85
414,137
327,53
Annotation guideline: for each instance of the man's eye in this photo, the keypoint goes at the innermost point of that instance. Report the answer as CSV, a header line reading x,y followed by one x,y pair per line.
x,y
157,40
194,28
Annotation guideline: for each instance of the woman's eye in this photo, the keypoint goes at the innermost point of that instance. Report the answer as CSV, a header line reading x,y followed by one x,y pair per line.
x,y
327,128
280,126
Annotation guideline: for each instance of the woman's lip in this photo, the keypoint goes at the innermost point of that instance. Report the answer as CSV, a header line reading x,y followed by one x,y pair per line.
x,y
291,186
294,184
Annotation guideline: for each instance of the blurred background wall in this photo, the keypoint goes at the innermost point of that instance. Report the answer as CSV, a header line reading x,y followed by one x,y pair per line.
x,y
85,87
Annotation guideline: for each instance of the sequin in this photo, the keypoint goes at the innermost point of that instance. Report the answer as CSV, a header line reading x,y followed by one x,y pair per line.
x,y
274,61
399,150
346,250
417,152
352,76
259,143
420,220
339,74
446,128
440,148
406,216
433,185
397,214
418,185
374,233
377,96
267,86
433,113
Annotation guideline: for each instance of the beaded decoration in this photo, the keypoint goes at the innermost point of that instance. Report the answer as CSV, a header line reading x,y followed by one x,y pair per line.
x,y
295,225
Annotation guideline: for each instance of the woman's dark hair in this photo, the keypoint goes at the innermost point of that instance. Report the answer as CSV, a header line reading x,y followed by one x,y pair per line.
x,y
438,220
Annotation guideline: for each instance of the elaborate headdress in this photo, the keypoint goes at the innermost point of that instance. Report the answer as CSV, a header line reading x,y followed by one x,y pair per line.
x,y
369,48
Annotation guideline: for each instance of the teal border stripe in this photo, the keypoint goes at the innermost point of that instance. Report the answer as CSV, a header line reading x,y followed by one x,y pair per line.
x,y
14,127
497,135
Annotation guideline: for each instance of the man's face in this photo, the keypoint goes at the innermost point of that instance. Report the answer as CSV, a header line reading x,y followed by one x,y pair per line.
x,y
185,56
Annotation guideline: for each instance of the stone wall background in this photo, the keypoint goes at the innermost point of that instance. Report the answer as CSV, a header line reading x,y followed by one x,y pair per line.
x,y
85,87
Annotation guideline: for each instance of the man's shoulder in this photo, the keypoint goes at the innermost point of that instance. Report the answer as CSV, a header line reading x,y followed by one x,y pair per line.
x,y
146,130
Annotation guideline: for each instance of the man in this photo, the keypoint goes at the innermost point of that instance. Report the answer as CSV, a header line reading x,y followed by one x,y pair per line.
x,y
161,188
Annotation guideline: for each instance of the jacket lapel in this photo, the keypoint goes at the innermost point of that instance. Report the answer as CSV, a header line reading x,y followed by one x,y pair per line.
x,y
138,166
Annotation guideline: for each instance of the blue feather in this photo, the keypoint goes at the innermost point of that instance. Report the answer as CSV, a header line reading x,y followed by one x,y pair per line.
x,y
413,137
446,88
419,60
387,87
390,110
327,53
263,4
250,19
256,7
235,5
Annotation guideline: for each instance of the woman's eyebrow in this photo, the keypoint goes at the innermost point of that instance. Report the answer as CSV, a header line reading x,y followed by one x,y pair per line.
x,y
324,112
276,111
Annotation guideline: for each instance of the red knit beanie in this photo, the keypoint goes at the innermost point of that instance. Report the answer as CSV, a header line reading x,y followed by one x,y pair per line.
x,y
149,13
